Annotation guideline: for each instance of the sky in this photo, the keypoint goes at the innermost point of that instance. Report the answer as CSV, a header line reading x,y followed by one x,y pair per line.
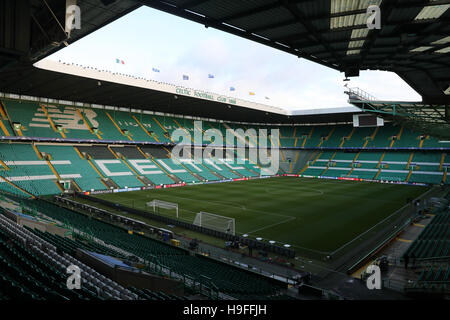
x,y
147,38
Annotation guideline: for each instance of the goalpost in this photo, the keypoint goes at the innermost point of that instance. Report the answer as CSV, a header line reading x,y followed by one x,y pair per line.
x,y
162,204
215,222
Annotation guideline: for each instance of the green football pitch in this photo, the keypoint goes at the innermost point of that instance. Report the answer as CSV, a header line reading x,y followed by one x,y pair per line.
x,y
313,214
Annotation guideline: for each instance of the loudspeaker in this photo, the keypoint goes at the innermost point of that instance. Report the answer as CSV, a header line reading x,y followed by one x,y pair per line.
x,y
352,72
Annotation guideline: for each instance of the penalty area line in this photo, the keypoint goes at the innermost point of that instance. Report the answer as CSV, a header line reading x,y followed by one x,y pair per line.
x,y
272,225
227,204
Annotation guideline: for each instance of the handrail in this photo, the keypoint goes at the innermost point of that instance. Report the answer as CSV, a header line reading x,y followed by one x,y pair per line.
x,y
360,94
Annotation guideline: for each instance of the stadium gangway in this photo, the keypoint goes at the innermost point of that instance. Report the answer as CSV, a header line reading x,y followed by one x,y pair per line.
x,y
158,268
210,290
283,278
287,278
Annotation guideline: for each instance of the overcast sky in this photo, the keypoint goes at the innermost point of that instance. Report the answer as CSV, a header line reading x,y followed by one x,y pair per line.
x,y
148,38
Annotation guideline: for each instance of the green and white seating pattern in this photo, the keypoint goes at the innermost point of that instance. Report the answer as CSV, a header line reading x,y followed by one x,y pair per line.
x,y
35,121
393,166
226,278
35,175
88,178
26,170
434,240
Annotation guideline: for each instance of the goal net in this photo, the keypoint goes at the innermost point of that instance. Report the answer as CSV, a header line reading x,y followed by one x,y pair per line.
x,y
159,204
215,222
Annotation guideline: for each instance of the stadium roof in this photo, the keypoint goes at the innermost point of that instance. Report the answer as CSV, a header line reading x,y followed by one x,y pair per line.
x,y
175,92
427,119
28,80
34,29
413,42
414,39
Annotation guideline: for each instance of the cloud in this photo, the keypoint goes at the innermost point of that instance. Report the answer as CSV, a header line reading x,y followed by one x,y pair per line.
x,y
385,85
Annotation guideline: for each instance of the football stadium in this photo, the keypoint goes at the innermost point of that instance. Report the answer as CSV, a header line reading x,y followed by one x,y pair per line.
x,y
116,186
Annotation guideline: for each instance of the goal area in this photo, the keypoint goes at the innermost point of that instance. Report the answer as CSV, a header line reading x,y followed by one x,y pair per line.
x,y
215,222
159,204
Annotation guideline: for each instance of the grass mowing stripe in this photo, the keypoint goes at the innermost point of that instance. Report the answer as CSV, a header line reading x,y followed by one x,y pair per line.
x,y
272,225
216,205
328,213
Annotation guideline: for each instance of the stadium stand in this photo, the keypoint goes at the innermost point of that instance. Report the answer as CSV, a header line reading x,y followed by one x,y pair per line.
x,y
33,269
385,138
27,170
203,171
174,167
319,133
225,278
337,136
391,166
71,246
31,120
434,240
39,169
394,167
108,129
155,152
431,280
44,120
128,152
359,137
220,168
88,178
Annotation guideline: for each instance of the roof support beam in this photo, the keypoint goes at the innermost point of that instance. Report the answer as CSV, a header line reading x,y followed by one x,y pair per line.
x,y
418,43
308,26
335,15
247,13
192,3
386,8
273,26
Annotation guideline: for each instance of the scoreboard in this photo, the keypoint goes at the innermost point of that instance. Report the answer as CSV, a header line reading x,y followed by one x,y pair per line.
x,y
367,120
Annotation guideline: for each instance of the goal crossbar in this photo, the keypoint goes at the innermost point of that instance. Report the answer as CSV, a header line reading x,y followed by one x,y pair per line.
x,y
215,222
162,204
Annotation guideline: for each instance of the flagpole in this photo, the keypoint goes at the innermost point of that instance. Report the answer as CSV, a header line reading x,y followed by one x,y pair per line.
x,y
115,66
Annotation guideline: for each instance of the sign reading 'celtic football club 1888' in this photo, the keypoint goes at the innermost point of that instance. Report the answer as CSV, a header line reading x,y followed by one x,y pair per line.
x,y
204,95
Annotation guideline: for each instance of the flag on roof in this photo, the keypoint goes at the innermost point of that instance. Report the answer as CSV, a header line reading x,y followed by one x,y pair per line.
x,y
232,89
251,93
185,77
210,76
267,98
155,70
120,61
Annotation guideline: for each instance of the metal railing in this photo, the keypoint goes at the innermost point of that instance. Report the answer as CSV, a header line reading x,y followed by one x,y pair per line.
x,y
282,277
394,284
357,93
